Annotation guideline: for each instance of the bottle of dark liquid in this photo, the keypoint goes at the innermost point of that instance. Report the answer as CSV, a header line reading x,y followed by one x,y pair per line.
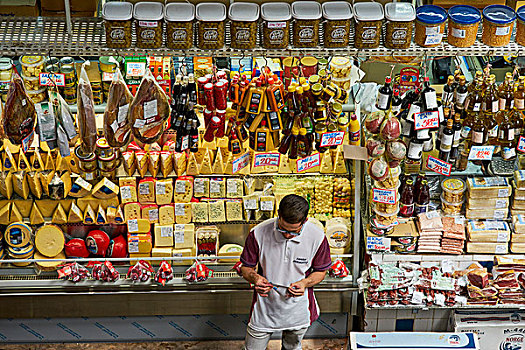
x,y
447,138
479,134
448,92
474,99
506,138
285,143
292,154
429,96
194,135
192,88
406,201
422,198
384,95
396,102
454,152
461,93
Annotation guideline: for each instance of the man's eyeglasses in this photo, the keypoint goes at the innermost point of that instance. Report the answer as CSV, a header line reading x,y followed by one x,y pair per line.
x,y
292,233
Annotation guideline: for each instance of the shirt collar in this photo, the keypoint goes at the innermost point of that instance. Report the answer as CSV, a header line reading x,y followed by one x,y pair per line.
x,y
280,238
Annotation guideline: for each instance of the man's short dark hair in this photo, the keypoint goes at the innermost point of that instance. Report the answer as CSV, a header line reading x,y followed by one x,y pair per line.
x,y
293,209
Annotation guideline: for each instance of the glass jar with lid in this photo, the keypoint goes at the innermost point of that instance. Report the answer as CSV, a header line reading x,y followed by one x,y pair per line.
x,y
368,22
430,25
210,25
276,18
148,23
307,16
498,22
6,70
179,18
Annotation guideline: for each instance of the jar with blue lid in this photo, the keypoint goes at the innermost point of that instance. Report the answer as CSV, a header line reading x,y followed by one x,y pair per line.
x,y
498,23
463,25
520,27
430,25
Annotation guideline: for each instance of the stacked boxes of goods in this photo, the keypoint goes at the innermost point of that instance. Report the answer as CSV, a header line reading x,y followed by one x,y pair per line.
x,y
488,198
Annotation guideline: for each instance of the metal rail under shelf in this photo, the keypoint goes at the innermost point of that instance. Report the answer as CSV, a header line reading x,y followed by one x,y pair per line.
x,y
39,35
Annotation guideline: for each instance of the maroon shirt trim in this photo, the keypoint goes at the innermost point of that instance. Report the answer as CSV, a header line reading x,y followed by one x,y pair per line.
x,y
322,260
250,253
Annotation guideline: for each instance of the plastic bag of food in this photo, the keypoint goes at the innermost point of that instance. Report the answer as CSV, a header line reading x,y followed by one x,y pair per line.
x,y
117,128
140,272
86,113
164,274
74,272
198,272
19,115
149,110
63,114
104,271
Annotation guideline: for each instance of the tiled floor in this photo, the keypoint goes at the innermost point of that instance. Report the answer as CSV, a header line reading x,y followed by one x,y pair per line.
x,y
308,344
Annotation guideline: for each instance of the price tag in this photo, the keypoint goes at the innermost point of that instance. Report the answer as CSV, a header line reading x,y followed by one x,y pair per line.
x,y
250,204
495,225
160,188
501,203
446,266
153,214
135,69
266,159
231,186
334,138
500,214
503,192
179,209
107,76
439,299
521,145
166,231
215,187
52,79
150,109
179,234
481,153
122,114
198,185
417,298
240,163
387,196
426,120
180,186
378,243
185,142
309,162
501,249
139,123
125,192
133,246
503,237
143,188
133,225
438,166
267,205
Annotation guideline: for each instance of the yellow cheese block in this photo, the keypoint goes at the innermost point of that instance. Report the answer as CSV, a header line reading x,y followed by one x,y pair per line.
x,y
23,162
45,178
132,211
61,164
186,252
24,206
166,215
75,214
95,202
199,212
230,250
180,163
101,216
159,252
183,213
340,163
105,189
49,240
139,226
326,163
80,188
20,185
166,163
15,215
111,212
37,164
218,165
128,190
228,164
164,191
36,217
89,215
163,236
139,243
47,206
5,212
146,190
199,155
206,166
150,212
59,216
48,265
119,216
66,178
193,167
184,236
6,184
34,183
73,164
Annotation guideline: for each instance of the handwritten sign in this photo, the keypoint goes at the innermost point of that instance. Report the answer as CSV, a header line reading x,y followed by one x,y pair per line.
x,y
521,145
309,162
266,159
241,162
378,243
481,153
107,76
52,79
135,69
334,138
387,196
426,120
439,166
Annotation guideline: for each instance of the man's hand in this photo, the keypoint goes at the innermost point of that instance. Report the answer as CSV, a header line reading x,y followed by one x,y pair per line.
x,y
262,286
297,289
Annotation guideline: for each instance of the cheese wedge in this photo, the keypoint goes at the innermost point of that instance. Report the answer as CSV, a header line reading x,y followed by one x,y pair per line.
x,y
340,163
45,178
23,162
180,163
193,167
218,165
199,155
46,206
73,165
8,161
61,164
5,213
59,216
49,240
6,184
119,216
166,215
50,162
105,189
206,166
128,190
163,236
80,188
24,206
101,216
142,161
89,215
37,163
75,214
15,215
180,253
230,250
154,163
166,163
34,183
20,185
111,212
129,163
35,217
326,163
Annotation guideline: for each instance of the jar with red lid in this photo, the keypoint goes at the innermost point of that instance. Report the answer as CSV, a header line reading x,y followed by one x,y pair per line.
x,y
221,114
207,117
220,90
210,130
221,75
201,96
210,100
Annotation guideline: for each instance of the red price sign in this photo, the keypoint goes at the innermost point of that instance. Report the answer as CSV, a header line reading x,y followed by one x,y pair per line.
x,y
241,162
309,162
521,145
381,195
439,166
266,159
481,153
426,120
334,138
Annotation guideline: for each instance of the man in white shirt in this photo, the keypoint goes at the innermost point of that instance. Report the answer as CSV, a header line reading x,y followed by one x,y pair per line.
x,y
284,258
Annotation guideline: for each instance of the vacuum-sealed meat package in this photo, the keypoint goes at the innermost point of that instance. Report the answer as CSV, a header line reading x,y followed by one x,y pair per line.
x,y
86,114
117,127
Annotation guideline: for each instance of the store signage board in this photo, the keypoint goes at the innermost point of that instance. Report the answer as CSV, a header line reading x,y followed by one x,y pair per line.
x,y
481,153
334,138
266,159
52,79
438,166
241,162
309,162
378,244
382,195
426,120
413,341
521,145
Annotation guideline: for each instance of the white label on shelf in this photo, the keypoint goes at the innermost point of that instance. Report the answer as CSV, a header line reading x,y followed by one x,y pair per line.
x,y
501,249
432,30
503,192
433,39
198,185
495,225
459,220
125,192
122,113
417,298
179,209
133,225
446,266
267,205
503,237
502,30
459,33
276,24
153,214
481,153
160,188
250,204
439,299
143,188
178,235
150,109
180,186
133,246
501,203
378,243
166,231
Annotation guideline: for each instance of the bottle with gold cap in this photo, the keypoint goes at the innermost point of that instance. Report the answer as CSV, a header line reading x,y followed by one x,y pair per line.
x,y
448,92
461,93
303,148
263,138
472,86
292,154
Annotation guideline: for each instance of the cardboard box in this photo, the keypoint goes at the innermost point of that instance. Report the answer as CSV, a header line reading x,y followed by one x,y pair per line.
x,y
19,8
76,5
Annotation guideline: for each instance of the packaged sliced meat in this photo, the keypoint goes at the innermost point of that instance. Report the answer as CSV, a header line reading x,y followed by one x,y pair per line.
x,y
86,113
149,110
19,115
117,127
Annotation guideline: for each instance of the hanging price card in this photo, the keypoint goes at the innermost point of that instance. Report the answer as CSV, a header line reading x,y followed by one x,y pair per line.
x,y
52,79
135,69
241,162
107,76
378,243
266,159
426,120
332,138
309,162
481,153
438,166
381,195
521,144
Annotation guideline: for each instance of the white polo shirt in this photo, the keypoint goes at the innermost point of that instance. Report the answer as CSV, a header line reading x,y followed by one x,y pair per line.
x,y
285,261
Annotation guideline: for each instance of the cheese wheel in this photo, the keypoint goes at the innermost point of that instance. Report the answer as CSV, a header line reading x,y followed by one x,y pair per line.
x,y
49,265
18,235
49,240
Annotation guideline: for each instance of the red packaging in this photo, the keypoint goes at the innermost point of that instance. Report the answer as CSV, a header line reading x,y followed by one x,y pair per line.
x,y
210,100
73,272
339,269
164,273
207,114
220,90
210,130
221,114
140,272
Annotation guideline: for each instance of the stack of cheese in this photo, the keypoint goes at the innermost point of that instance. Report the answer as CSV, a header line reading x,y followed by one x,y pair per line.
x,y
174,240
19,245
430,232
518,204
453,235
49,242
488,236
488,198
517,242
